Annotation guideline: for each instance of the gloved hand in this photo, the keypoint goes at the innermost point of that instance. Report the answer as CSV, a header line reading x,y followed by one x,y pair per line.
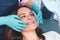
x,y
13,22
38,13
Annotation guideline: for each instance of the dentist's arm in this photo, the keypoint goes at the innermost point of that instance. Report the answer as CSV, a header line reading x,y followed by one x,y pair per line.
x,y
5,9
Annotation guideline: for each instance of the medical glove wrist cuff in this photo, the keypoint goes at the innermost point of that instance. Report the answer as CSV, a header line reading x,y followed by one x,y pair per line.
x,y
2,20
35,7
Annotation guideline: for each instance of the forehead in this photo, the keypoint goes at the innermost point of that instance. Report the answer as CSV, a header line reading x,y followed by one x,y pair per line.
x,y
23,10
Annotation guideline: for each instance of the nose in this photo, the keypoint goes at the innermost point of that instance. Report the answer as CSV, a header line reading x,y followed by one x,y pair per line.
x,y
29,18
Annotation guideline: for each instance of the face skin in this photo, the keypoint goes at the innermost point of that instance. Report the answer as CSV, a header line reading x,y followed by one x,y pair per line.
x,y
28,16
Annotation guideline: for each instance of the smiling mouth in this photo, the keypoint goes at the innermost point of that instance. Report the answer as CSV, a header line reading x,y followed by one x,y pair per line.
x,y
30,23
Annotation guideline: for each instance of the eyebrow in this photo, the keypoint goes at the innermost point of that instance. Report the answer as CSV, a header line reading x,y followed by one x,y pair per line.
x,y
24,13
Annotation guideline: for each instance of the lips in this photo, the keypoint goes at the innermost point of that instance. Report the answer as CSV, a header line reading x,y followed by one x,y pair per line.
x,y
30,22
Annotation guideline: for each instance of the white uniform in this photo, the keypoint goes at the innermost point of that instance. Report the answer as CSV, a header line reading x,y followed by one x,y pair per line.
x,y
52,35
51,5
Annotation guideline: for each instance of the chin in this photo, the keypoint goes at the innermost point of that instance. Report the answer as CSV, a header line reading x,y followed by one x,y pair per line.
x,y
31,28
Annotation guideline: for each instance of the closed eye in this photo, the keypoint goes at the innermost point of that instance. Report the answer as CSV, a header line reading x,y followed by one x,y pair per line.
x,y
32,15
22,16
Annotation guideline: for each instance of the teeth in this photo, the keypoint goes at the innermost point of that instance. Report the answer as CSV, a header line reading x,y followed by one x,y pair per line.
x,y
30,23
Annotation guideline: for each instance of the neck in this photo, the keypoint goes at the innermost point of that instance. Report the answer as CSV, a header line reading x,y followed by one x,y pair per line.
x,y
28,32
30,35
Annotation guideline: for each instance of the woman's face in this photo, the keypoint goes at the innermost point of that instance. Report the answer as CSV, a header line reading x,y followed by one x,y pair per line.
x,y
28,16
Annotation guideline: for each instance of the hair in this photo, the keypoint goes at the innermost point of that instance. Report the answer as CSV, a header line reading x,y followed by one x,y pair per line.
x,y
11,34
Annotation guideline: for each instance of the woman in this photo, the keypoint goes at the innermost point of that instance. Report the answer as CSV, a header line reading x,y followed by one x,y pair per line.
x,y
32,32
12,5
6,8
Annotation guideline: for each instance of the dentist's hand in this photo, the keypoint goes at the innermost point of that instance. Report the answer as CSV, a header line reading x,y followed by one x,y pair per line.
x,y
13,22
38,13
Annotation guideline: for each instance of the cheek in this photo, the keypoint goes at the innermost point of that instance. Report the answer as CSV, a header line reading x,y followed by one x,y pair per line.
x,y
24,19
34,19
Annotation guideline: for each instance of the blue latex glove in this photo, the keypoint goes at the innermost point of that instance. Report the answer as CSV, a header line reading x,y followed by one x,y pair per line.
x,y
38,13
13,22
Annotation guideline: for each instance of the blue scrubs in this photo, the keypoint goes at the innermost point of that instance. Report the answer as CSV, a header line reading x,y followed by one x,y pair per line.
x,y
6,7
